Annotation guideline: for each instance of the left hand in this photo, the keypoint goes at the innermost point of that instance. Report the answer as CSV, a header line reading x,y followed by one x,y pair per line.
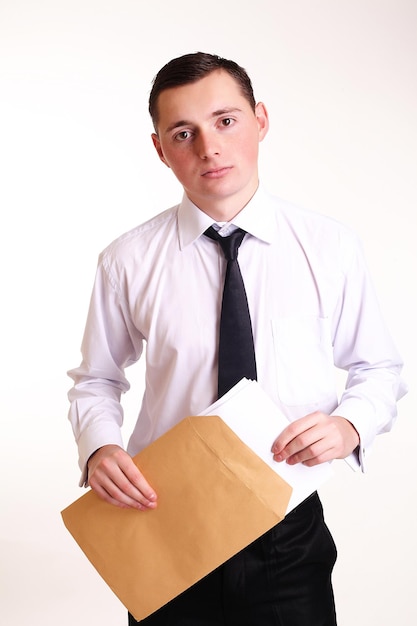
x,y
314,439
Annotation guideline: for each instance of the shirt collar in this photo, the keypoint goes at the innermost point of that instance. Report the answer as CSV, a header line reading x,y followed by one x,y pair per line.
x,y
257,218
192,222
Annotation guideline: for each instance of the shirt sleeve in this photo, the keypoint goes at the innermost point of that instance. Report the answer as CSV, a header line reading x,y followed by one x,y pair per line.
x,y
364,348
110,343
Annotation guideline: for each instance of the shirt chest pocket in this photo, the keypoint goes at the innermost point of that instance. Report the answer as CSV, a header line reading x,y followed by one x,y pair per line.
x,y
304,361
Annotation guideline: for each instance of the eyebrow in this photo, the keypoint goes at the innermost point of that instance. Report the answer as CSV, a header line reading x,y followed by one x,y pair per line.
x,y
217,113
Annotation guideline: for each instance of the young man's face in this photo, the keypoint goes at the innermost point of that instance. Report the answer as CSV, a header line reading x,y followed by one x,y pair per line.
x,y
209,136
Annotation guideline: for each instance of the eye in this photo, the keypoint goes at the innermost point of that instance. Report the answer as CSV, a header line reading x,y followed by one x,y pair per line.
x,y
183,135
227,121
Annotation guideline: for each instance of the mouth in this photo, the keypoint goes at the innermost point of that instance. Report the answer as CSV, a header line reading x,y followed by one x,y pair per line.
x,y
217,172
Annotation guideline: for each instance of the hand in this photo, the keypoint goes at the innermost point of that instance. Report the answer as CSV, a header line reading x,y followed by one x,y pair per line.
x,y
116,479
315,438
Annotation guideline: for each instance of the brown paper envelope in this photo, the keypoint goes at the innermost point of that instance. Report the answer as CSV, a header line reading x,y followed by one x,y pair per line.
x,y
215,496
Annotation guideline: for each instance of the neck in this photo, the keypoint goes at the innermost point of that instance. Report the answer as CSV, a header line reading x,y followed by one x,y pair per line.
x,y
224,210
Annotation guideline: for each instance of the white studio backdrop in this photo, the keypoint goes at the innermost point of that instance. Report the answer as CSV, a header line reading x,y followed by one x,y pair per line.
x,y
77,168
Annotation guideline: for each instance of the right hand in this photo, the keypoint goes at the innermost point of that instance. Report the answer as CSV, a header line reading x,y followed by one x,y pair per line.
x,y
116,479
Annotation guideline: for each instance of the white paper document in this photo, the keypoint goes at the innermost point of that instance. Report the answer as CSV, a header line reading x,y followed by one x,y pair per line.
x,y
257,421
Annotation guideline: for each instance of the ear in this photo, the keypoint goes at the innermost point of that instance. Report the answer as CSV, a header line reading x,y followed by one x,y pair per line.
x,y
261,115
158,148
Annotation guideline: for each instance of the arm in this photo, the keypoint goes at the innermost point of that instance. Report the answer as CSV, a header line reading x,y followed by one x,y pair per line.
x,y
363,347
110,343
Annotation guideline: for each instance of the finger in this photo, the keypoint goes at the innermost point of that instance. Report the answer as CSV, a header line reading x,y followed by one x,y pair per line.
x,y
292,431
318,452
136,488
298,444
105,495
119,491
137,483
316,445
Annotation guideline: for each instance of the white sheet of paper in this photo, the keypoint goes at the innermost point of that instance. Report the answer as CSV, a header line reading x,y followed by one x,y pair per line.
x,y
257,421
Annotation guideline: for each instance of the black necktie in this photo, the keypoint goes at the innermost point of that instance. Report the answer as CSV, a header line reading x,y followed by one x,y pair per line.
x,y
236,350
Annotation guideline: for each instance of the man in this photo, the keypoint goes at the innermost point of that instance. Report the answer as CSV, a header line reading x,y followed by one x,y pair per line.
x,y
311,304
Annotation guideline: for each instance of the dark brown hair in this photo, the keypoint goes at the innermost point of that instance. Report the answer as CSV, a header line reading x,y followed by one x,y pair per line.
x,y
190,68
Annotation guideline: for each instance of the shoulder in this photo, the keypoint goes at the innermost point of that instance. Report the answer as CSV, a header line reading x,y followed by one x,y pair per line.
x,y
144,238
307,218
318,228
321,238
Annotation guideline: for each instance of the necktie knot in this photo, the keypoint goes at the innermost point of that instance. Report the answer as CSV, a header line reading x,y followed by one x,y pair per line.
x,y
229,244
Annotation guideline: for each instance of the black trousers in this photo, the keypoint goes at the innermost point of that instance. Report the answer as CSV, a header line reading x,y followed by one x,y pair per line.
x,y
281,579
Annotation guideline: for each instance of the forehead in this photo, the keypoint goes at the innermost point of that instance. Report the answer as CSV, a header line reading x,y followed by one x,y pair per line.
x,y
200,100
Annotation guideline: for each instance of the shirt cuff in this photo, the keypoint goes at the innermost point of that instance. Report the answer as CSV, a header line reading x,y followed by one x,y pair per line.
x,y
356,460
365,428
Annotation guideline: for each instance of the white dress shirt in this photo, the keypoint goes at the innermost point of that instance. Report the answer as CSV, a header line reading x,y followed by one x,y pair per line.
x,y
312,305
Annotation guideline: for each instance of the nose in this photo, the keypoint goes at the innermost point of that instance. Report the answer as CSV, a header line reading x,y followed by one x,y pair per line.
x,y
207,145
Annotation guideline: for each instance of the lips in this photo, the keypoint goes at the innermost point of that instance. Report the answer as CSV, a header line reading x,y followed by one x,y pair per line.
x,y
217,172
